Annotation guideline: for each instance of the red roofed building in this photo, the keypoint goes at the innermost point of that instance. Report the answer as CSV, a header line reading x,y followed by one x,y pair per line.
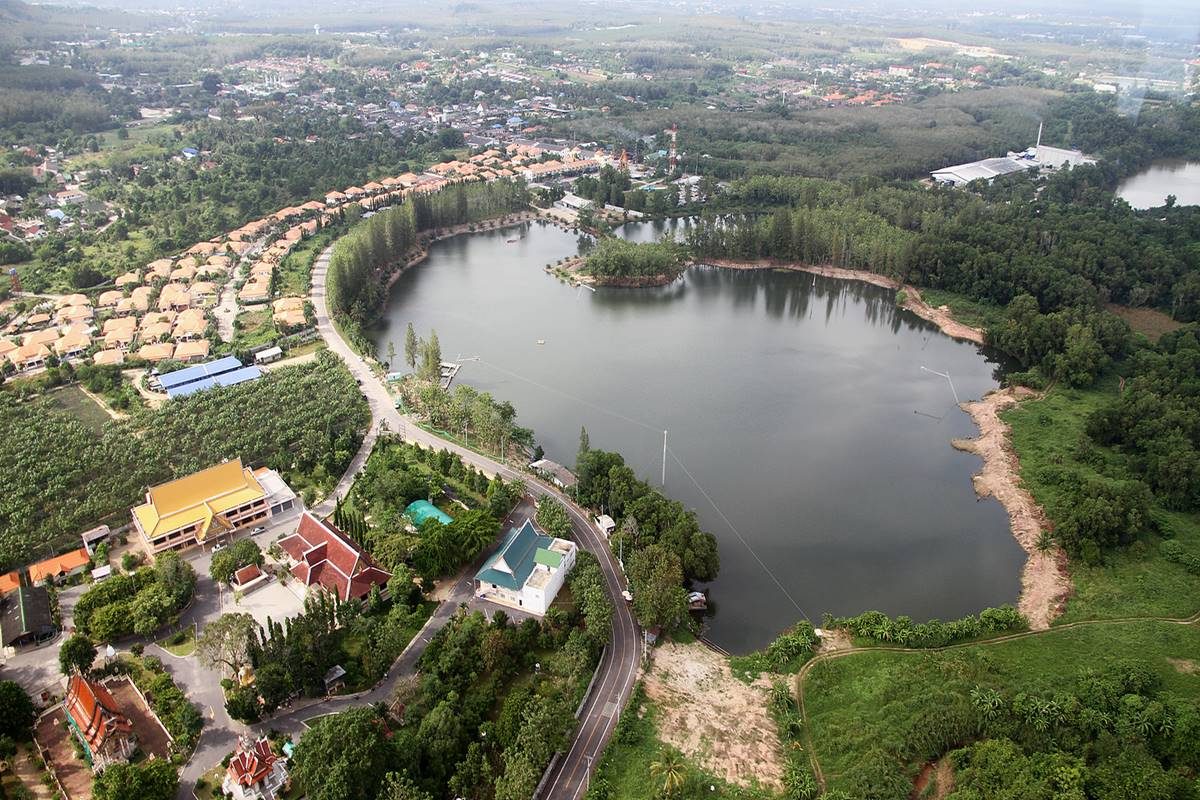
x,y
320,554
254,772
106,734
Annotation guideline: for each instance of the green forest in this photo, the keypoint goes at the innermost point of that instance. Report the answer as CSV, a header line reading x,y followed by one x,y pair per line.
x,y
62,477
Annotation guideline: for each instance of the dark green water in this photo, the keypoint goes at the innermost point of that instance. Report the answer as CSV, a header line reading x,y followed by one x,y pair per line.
x,y
792,401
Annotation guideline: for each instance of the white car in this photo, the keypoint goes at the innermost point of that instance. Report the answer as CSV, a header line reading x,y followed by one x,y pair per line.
x,y
258,530
218,547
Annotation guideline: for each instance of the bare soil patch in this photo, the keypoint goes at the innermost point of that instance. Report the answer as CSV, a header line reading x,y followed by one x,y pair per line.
x,y
1185,665
53,734
1045,584
152,738
714,718
1147,321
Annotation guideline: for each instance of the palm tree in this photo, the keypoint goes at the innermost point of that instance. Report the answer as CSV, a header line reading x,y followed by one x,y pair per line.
x,y
670,769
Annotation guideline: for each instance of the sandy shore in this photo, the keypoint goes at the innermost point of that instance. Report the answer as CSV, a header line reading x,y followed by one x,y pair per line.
x,y
1045,582
913,302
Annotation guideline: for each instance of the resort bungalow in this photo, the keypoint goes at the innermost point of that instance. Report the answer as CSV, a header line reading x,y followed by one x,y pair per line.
x,y
527,571
321,555
104,731
201,507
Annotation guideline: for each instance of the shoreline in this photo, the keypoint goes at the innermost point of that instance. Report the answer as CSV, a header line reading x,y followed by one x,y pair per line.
x,y
913,300
1045,582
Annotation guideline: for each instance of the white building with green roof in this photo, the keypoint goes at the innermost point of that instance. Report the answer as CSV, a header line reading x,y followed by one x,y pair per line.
x,y
527,571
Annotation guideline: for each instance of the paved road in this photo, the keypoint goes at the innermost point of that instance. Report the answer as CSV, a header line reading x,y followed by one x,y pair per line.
x,y
618,667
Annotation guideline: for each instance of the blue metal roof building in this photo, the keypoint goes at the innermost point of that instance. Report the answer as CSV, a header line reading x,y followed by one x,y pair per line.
x,y
225,371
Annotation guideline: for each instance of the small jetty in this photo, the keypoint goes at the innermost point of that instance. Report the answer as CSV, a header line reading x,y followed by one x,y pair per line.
x,y
449,371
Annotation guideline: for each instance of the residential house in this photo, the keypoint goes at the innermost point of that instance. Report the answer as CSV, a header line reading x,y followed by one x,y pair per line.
x,y
321,555
255,772
25,616
140,299
159,351
191,351
255,291
59,568
9,582
30,356
73,344
109,358
527,571
190,324
102,728
127,279
201,507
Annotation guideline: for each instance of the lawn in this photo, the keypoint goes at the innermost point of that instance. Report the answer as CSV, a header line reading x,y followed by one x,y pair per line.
x,y
295,271
874,702
624,771
253,328
1133,581
181,644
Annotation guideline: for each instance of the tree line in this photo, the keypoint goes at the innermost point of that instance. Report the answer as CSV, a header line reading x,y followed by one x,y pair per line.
x,y
661,540
372,250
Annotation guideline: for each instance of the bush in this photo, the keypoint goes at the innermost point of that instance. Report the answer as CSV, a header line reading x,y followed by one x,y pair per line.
x,y
878,627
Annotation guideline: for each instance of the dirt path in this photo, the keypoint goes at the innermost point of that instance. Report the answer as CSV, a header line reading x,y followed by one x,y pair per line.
x,y
112,412
1045,583
713,717
913,301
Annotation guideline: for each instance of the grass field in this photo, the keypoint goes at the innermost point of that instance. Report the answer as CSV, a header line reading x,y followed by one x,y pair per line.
x,y
871,702
72,400
1133,581
145,142
254,328
1146,321
180,644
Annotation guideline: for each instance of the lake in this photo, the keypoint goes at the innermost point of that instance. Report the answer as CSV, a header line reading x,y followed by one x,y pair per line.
x,y
797,404
1150,187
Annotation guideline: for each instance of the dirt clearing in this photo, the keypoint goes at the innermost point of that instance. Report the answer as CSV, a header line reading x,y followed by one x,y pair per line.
x,y
713,717
1045,584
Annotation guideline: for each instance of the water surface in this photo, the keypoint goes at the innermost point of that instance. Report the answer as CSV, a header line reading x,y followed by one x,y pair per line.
x,y
796,403
1150,187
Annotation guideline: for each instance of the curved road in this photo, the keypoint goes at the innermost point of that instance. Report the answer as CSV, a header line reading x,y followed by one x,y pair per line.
x,y
619,664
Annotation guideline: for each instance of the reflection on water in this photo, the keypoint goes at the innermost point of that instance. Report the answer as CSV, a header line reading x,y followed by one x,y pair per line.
x,y
1150,187
797,402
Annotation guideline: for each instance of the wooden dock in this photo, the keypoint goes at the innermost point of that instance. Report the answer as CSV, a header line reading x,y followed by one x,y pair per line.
x,y
449,371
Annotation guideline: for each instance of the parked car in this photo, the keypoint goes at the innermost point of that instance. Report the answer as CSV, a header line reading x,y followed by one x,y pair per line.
x,y
258,530
218,547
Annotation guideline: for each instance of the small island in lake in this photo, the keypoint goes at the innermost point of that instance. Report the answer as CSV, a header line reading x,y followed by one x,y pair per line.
x,y
617,262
